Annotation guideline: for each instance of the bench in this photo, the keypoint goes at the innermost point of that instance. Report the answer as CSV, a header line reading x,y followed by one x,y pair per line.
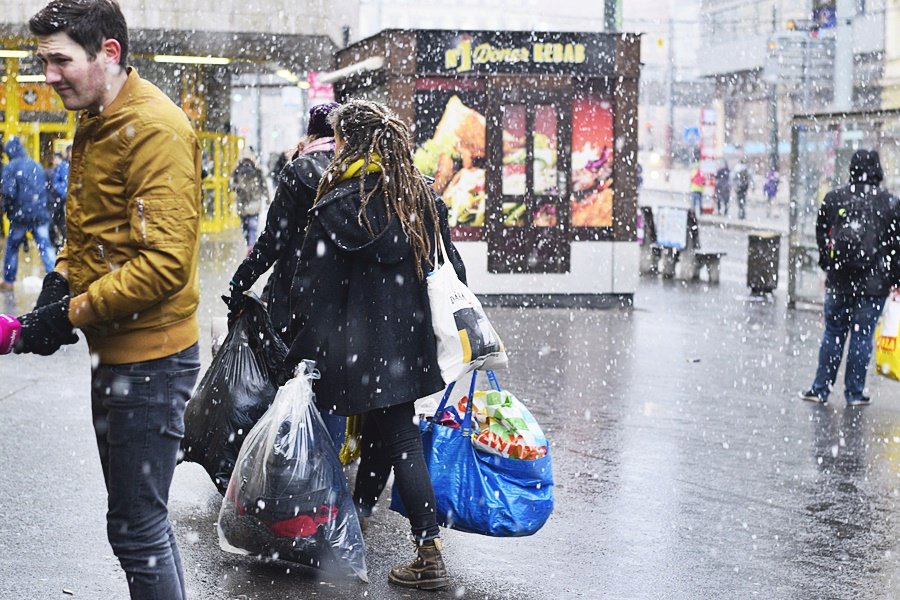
x,y
709,261
677,255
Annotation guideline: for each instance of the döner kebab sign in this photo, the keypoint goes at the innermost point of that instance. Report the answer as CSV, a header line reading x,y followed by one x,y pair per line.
x,y
451,52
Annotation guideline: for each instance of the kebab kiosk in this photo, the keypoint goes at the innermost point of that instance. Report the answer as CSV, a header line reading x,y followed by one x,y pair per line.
x,y
531,139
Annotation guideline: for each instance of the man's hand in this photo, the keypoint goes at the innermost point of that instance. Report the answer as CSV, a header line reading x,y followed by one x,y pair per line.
x,y
55,288
46,329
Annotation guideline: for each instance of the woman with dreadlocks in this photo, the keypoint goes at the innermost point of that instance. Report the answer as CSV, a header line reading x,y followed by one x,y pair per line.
x,y
360,308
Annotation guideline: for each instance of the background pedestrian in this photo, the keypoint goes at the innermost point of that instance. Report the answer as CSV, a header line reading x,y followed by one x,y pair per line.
x,y
770,189
26,198
698,182
250,192
858,235
723,188
282,237
58,177
742,181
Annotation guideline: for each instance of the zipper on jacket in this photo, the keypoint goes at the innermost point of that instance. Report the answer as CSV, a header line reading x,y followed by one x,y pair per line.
x,y
103,257
140,207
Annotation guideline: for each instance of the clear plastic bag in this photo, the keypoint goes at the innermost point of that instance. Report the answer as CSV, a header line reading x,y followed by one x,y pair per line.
x,y
234,393
288,497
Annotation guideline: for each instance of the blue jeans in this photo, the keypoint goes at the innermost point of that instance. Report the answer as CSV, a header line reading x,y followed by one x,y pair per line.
x,y
844,312
16,237
138,411
697,202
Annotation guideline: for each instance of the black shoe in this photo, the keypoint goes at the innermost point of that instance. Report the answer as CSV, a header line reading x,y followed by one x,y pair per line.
x,y
811,396
861,401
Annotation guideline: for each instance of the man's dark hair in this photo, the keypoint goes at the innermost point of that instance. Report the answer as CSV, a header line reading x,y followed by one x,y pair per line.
x,y
87,22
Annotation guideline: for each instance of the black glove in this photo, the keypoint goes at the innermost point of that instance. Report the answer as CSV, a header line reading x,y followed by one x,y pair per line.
x,y
236,301
45,329
55,288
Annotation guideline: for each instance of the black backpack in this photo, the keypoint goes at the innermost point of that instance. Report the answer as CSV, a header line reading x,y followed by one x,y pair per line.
x,y
854,237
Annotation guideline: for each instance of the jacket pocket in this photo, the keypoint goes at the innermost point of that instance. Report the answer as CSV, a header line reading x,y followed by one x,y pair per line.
x,y
159,222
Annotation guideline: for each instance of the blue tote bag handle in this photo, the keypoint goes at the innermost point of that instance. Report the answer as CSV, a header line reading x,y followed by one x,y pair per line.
x,y
470,405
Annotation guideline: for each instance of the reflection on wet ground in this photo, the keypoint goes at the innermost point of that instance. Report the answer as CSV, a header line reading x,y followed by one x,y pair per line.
x,y
686,467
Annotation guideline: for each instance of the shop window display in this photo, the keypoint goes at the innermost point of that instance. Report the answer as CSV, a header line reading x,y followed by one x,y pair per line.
x,y
450,132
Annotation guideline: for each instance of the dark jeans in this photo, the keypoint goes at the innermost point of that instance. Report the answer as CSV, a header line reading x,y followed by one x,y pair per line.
x,y
722,198
390,438
742,204
248,226
138,411
844,312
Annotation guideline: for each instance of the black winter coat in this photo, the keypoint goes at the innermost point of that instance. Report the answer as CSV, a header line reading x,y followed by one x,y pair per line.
x,y
362,313
280,241
884,217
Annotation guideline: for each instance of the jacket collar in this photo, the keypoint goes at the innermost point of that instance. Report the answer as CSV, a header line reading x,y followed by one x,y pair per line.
x,y
121,98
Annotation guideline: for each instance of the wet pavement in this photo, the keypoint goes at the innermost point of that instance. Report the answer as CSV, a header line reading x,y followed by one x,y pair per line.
x,y
685,465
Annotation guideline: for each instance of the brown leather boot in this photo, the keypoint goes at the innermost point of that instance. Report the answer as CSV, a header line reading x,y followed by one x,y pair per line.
x,y
426,572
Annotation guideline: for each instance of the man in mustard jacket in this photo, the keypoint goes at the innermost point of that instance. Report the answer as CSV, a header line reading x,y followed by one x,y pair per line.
x,y
126,276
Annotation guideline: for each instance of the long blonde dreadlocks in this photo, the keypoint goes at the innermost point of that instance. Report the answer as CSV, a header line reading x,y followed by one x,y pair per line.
x,y
372,132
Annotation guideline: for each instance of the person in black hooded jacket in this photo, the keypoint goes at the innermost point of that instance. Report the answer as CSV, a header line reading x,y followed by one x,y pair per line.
x,y
858,236
280,241
361,306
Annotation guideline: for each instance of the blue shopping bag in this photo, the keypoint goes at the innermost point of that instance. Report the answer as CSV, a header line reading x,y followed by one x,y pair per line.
x,y
479,492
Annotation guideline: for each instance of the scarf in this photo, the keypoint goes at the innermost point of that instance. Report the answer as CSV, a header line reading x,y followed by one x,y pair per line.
x,y
353,169
319,145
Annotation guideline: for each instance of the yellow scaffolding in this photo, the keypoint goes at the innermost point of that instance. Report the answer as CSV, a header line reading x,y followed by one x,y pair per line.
x,y
220,155
220,151
29,132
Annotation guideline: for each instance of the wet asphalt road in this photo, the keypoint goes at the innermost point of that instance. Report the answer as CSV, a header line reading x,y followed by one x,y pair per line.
x,y
685,466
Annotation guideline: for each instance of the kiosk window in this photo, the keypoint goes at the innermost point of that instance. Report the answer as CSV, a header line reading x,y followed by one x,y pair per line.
x,y
545,152
450,148
514,159
545,145
591,200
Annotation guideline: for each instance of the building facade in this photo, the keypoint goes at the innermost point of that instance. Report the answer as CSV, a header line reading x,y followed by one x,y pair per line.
x,y
673,94
772,59
486,15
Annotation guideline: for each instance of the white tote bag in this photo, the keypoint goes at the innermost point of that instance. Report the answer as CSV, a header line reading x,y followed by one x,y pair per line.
x,y
466,340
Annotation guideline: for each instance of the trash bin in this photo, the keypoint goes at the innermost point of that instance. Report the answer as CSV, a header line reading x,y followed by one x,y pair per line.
x,y
763,249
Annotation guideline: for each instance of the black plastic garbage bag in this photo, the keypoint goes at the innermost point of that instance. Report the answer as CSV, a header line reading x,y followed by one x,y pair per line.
x,y
234,393
288,497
